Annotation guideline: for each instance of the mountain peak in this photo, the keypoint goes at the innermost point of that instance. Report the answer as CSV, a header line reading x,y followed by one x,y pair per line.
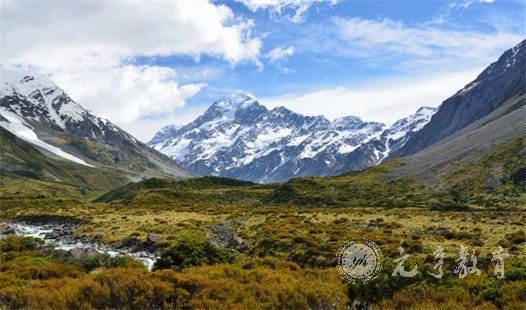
x,y
425,110
168,128
165,133
37,94
348,120
236,100
23,81
240,95
38,112
226,108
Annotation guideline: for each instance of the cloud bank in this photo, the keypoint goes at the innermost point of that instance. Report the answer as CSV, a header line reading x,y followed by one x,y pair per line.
x,y
88,48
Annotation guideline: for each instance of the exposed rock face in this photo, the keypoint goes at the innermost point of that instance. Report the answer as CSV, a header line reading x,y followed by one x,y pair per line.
x,y
501,81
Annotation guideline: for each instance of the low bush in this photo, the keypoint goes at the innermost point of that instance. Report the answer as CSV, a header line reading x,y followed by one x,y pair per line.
x,y
19,244
187,252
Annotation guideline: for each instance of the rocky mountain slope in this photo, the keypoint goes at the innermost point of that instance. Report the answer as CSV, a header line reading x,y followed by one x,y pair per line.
x,y
435,164
28,172
38,112
488,114
502,80
238,137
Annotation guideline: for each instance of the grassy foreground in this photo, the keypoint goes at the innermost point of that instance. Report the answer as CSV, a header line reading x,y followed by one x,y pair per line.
x,y
288,262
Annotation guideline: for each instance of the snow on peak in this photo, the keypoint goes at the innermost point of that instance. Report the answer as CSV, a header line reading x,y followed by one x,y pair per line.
x,y
237,137
170,128
236,100
22,81
42,93
425,111
413,122
347,122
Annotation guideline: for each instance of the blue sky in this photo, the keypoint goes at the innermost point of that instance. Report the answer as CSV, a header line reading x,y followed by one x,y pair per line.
x,y
158,63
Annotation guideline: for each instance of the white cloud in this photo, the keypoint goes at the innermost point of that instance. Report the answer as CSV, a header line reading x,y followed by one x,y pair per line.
x,y
385,101
127,93
280,53
278,6
88,49
144,129
126,29
455,7
421,46
467,3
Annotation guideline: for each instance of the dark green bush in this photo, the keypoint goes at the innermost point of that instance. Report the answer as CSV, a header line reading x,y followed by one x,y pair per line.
x,y
103,260
189,252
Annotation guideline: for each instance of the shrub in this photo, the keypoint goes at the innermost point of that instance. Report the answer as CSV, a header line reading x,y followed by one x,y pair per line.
x,y
192,252
518,237
283,193
19,244
103,260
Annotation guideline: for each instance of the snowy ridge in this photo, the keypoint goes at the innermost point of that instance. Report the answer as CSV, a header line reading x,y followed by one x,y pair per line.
x,y
37,99
238,137
37,110
42,93
397,135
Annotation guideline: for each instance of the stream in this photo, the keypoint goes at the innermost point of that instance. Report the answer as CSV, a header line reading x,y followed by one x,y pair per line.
x,y
61,237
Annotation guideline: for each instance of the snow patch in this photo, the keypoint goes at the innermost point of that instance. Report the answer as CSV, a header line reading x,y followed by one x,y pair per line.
x,y
22,130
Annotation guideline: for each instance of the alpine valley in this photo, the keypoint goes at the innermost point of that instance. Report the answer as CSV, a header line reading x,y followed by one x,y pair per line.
x,y
248,207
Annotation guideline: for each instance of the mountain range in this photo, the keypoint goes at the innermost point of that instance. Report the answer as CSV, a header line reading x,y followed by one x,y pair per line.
x,y
238,137
48,137
464,141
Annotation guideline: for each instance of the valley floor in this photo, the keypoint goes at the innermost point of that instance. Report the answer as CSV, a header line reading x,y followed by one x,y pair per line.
x,y
273,257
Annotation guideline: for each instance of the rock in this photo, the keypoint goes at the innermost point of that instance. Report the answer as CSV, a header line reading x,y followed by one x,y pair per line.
x,y
152,239
131,242
97,238
226,238
51,235
237,243
492,182
7,231
80,253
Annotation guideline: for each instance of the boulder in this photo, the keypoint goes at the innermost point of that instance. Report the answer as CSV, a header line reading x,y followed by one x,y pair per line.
x,y
152,239
81,253
7,231
131,242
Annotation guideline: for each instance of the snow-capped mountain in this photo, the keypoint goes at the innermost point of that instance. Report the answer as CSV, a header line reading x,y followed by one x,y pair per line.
x,y
39,112
39,100
240,138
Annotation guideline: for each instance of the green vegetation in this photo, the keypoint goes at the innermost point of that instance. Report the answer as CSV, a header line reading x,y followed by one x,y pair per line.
x,y
187,192
46,283
290,234
188,252
495,180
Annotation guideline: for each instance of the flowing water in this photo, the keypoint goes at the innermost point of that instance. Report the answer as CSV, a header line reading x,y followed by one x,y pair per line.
x,y
54,236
